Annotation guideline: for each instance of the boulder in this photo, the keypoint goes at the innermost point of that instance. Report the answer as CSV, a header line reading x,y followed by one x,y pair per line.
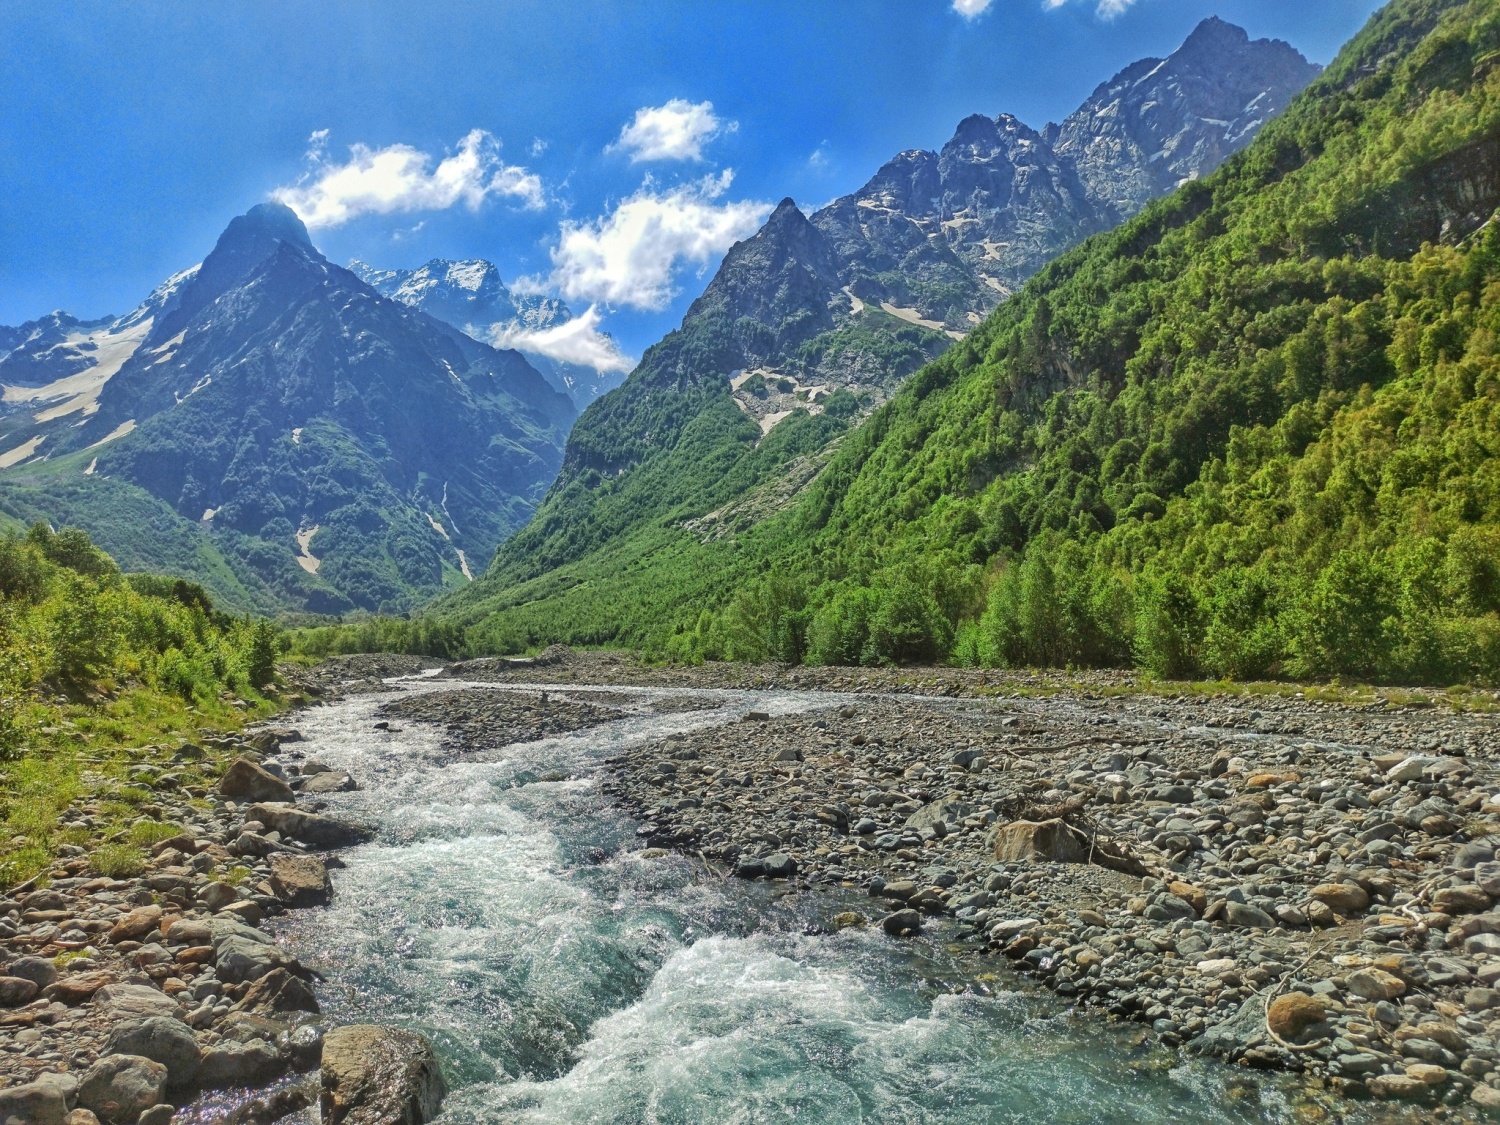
x,y
1292,1013
948,813
311,828
280,991
242,952
39,970
238,1064
1376,984
902,923
328,783
300,880
246,781
1248,917
136,925
379,1076
119,1088
15,991
1346,898
1464,899
75,988
1056,841
42,1101
160,1039
189,931
135,1001
780,866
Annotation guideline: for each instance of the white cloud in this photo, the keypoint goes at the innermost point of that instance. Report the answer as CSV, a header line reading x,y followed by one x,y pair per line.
x,y
1104,9
399,178
573,341
972,9
631,256
675,131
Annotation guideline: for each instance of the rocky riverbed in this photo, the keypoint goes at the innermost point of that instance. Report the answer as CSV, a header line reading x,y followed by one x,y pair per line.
x,y
1281,882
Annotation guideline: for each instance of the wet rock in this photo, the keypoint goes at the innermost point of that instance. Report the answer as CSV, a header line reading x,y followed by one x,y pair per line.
x,y
328,783
312,828
241,952
379,1076
43,1101
902,923
157,1115
780,866
246,781
161,1039
300,880
119,1088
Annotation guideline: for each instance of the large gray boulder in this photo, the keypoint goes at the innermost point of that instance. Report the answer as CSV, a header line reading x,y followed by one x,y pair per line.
x,y
239,1064
313,829
379,1076
43,1101
242,952
161,1039
119,1088
39,970
246,781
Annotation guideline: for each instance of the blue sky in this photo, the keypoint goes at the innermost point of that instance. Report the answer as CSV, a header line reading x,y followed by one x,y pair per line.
x,y
606,151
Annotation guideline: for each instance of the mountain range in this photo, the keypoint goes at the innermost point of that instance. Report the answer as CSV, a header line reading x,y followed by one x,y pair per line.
x,y
269,424
471,296
817,319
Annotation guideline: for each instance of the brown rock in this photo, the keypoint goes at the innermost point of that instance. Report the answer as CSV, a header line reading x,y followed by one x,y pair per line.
x,y
75,988
1291,1013
1266,780
15,991
379,1076
300,880
244,780
1376,984
1346,898
1190,894
1465,899
136,925
1395,1086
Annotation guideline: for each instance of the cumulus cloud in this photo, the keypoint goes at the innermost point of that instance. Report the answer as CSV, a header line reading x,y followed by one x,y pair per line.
x,y
631,255
573,341
971,9
400,178
675,131
1104,9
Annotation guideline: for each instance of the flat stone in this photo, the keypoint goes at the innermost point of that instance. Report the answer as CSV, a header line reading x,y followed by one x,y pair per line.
x,y
135,1001
328,783
75,988
136,925
311,828
1395,1085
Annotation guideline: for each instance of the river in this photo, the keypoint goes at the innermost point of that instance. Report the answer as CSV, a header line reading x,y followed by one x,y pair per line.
x,y
507,913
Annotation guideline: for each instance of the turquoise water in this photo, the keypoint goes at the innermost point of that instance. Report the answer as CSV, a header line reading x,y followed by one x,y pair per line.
x,y
563,978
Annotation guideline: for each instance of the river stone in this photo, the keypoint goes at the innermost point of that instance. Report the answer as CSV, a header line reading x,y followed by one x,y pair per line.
x,y
158,1115
1055,841
1346,898
1239,1032
780,866
300,880
161,1039
119,1088
1247,917
1293,1012
136,925
948,813
902,923
135,1001
42,1101
75,988
311,828
246,781
39,970
15,991
1460,900
190,931
328,783
379,1076
1376,984
1395,1085
242,952
238,1064
280,991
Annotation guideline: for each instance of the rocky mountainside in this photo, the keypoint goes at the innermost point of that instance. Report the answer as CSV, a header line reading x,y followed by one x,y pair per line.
x,y
271,425
471,296
818,319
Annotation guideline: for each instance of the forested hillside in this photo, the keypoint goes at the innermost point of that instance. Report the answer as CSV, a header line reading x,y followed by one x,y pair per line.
x,y
1251,432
